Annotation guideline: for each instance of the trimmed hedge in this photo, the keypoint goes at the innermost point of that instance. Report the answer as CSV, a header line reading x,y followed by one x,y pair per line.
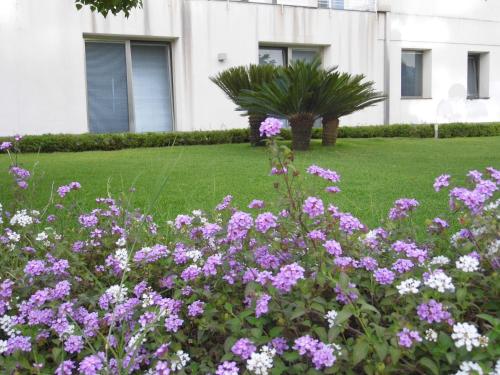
x,y
118,141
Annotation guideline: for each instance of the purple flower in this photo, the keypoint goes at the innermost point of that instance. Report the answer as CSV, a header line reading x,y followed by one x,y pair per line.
x,y
63,190
18,343
191,272
65,368
243,348
323,356
305,345
402,207
279,344
238,225
173,323
270,127
326,174
92,364
333,247
347,296
183,221
265,221
402,265
406,338
441,182
73,344
433,311
313,207
262,307
35,268
256,203
316,235
287,277
5,146
196,308
227,368
368,263
88,221
384,276
348,223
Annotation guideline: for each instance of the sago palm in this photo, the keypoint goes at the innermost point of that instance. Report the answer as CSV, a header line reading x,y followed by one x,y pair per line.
x,y
349,94
298,94
234,80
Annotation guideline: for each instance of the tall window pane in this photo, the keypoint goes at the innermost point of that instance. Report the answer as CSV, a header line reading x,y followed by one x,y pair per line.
x,y
304,55
151,81
411,73
106,87
473,76
273,56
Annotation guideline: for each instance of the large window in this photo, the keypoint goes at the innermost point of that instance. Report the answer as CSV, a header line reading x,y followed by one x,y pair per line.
x,y
281,56
412,73
477,75
129,87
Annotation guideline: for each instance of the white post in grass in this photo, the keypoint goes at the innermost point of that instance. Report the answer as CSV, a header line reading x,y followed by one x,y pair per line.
x,y
436,131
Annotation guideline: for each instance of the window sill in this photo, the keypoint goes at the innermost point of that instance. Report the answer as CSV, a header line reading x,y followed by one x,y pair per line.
x,y
479,98
415,97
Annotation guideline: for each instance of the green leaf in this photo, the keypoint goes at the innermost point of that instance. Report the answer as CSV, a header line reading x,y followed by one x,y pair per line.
x,y
359,351
430,365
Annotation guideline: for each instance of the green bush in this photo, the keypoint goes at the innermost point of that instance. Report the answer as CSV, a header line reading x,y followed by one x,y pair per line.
x,y
118,141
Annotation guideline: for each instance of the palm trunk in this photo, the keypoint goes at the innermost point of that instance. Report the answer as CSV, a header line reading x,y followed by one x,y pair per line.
x,y
330,131
301,125
254,121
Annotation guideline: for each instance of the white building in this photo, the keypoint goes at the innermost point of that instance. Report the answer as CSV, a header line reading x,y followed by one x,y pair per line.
x,y
69,71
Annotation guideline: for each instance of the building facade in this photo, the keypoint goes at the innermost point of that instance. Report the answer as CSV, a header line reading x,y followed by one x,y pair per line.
x,y
69,71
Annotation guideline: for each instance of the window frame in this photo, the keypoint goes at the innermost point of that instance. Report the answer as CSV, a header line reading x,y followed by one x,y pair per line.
x,y
128,66
482,75
416,52
288,50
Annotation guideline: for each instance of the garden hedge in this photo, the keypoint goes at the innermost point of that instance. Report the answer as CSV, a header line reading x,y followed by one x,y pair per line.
x,y
117,141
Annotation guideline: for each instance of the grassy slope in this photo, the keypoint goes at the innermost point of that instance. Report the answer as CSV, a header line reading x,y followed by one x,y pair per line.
x,y
374,172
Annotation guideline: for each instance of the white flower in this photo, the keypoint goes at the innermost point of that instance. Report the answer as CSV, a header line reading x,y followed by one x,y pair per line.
x,y
465,334
3,346
21,218
136,340
42,236
431,335
117,293
147,299
330,316
195,255
121,242
8,326
493,248
467,263
440,260
261,363
440,281
197,213
181,361
470,368
121,256
496,370
408,286
13,236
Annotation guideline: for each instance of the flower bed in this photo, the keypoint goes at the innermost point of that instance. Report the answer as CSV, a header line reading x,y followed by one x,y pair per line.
x,y
293,286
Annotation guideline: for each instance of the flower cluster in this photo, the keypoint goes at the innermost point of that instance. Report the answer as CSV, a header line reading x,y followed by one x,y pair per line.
x,y
300,288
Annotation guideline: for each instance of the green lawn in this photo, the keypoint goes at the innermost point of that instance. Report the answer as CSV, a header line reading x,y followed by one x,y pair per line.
x,y
374,173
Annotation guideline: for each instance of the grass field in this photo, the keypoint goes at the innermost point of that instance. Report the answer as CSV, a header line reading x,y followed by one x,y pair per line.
x,y
374,173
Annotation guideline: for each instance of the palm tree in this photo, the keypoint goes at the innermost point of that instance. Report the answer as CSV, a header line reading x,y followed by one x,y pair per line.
x,y
297,94
234,80
350,94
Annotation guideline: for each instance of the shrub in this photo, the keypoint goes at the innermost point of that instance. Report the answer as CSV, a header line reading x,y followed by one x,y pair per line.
x,y
288,287
109,142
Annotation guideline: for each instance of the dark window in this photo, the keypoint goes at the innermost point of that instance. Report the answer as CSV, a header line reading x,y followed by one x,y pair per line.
x,y
273,55
473,76
411,73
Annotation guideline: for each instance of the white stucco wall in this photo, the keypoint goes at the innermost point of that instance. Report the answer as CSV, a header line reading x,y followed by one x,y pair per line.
x,y
42,65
